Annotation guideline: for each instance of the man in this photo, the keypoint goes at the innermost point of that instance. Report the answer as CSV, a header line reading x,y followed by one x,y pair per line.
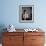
x,y
25,15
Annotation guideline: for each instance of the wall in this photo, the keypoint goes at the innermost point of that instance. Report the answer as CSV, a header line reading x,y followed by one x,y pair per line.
x,y
10,13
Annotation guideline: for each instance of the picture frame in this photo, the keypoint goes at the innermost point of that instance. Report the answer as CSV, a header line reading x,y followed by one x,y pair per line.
x,y
26,13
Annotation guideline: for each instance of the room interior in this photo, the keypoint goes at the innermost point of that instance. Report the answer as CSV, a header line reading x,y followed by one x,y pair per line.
x,y
9,14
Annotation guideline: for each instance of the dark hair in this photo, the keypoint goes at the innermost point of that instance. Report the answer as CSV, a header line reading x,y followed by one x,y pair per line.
x,y
24,11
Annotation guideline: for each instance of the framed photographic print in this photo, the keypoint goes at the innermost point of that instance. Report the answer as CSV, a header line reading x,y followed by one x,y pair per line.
x,y
26,13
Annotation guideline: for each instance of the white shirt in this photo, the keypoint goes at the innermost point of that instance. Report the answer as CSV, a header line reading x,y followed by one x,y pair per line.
x,y
25,16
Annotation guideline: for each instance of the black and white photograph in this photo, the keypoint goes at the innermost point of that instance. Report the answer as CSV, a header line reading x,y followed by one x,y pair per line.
x,y
26,13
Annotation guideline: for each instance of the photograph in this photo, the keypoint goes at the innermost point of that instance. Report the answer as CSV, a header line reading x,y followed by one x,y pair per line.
x,y
26,13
